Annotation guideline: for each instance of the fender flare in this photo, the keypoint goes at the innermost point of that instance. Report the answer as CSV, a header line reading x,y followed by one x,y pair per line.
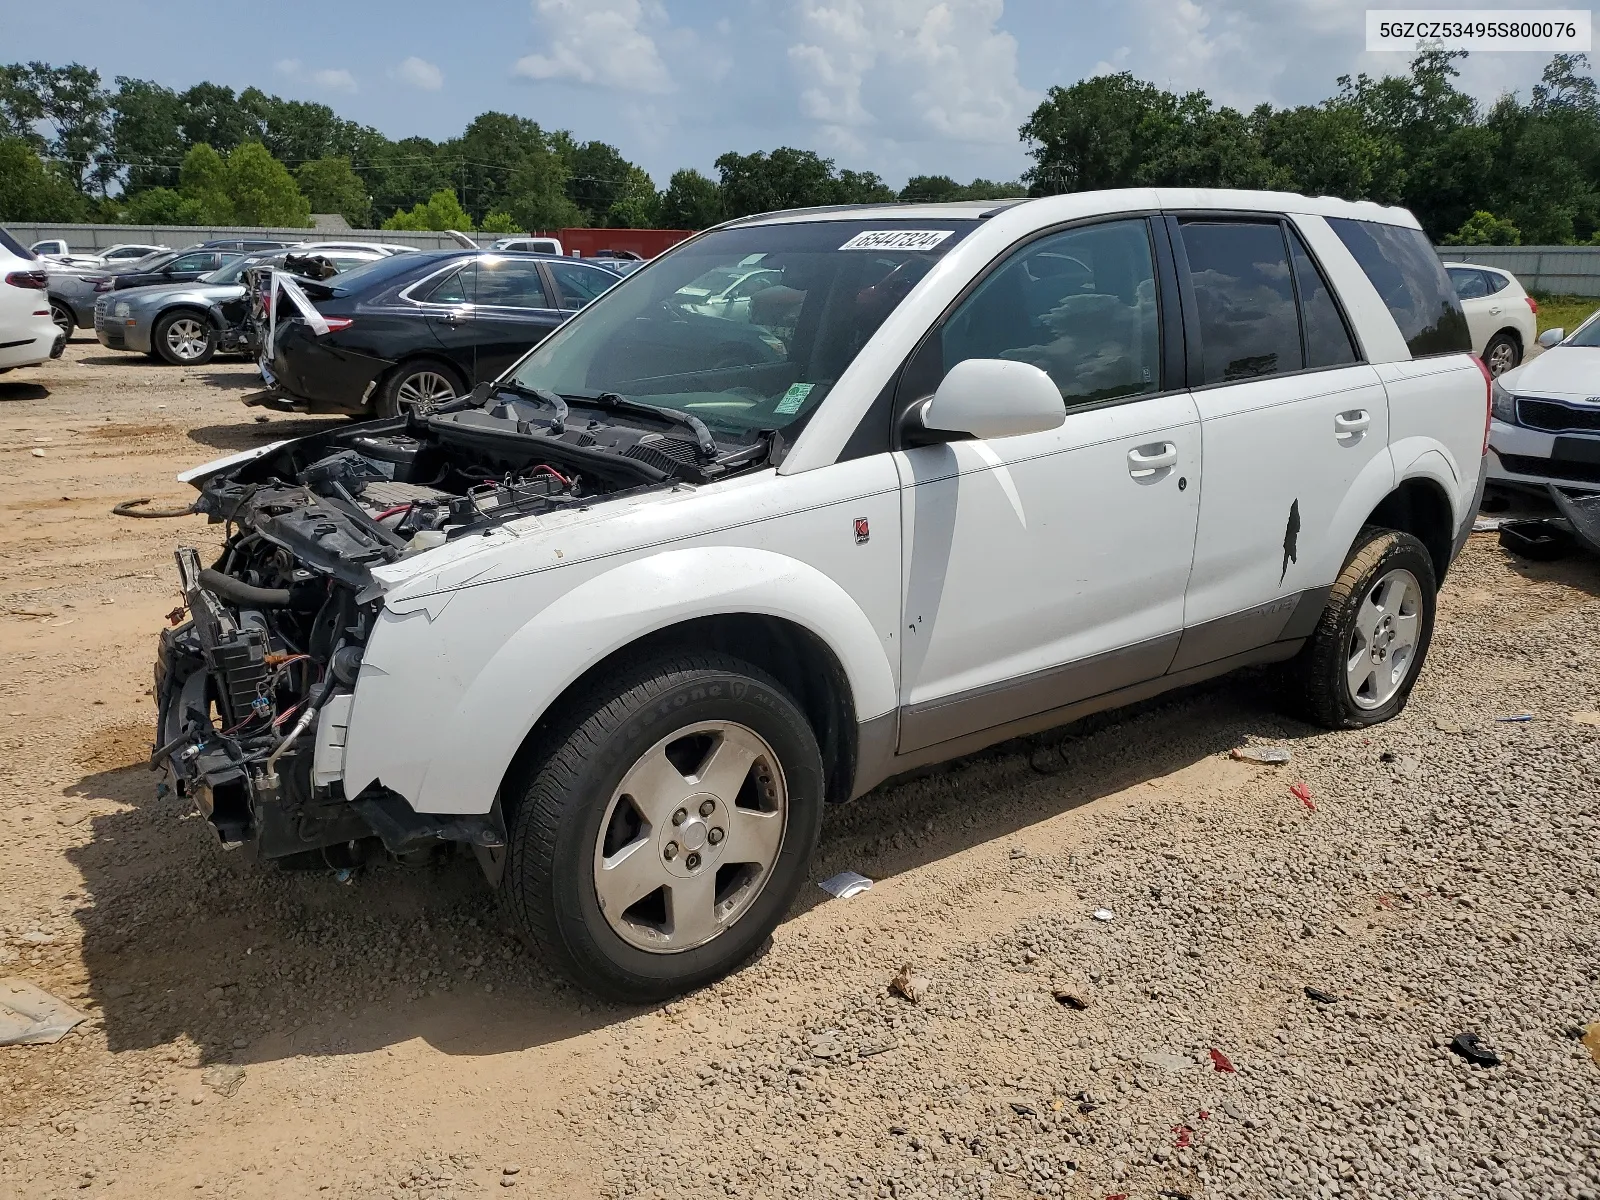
x,y
477,738
1431,463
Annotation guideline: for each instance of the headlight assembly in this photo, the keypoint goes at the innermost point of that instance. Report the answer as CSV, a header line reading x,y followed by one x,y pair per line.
x,y
1503,405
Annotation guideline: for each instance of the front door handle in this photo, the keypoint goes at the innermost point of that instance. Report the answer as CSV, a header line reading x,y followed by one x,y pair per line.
x,y
1351,424
1145,461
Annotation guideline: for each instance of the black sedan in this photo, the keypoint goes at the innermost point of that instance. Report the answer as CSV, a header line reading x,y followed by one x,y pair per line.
x,y
412,331
175,266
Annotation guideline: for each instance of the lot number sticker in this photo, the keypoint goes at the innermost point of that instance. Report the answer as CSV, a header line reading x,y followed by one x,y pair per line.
x,y
897,239
793,399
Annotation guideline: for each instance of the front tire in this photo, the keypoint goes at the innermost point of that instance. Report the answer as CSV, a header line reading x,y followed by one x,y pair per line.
x,y
184,339
1360,664
662,827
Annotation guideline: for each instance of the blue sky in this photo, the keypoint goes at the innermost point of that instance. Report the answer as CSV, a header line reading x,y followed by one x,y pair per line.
x,y
900,87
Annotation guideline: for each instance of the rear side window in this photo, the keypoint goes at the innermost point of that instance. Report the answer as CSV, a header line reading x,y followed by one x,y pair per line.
x,y
1496,282
1411,280
579,284
1245,296
1469,285
16,247
454,288
510,283
1327,337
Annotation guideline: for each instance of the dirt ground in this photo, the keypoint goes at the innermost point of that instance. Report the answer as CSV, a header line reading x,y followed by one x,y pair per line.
x,y
258,1033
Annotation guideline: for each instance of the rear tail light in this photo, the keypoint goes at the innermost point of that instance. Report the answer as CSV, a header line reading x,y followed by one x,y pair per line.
x,y
336,324
1488,401
36,280
1533,305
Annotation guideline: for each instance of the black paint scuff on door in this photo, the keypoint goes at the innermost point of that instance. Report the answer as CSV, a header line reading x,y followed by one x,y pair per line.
x,y
1291,540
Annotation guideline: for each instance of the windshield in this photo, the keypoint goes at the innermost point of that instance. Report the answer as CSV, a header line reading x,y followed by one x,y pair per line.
x,y
745,328
1587,334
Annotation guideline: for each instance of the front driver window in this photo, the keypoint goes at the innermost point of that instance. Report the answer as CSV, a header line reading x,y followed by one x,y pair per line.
x,y
1080,305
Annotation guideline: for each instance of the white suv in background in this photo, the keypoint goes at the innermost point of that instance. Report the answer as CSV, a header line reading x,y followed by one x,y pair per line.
x,y
1503,319
28,335
625,619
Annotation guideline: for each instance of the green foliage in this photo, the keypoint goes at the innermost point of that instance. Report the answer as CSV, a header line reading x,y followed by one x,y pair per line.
x,y
203,182
1485,229
262,190
691,201
331,186
1412,138
30,190
442,211
499,222
163,206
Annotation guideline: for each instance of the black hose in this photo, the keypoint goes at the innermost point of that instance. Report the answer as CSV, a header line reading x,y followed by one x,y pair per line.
x,y
127,507
242,592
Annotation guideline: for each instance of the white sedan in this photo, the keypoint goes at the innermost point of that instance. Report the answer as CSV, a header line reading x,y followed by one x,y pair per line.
x,y
1503,319
1545,426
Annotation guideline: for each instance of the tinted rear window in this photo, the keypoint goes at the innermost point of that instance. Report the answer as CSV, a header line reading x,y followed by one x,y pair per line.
x,y
16,247
1409,277
381,271
1242,287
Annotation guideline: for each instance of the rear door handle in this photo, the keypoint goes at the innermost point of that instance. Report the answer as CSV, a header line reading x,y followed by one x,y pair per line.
x,y
1351,424
1145,461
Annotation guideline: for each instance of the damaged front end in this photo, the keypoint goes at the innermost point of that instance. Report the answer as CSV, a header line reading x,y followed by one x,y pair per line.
x,y
256,686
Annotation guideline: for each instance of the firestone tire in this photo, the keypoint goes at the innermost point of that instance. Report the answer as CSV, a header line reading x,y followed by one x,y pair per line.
x,y
566,797
1359,665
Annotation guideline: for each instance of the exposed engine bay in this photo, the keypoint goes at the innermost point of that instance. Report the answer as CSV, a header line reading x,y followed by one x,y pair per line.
x,y
255,686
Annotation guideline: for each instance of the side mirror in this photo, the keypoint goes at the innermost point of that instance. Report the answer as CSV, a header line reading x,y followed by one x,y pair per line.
x,y
990,398
1551,337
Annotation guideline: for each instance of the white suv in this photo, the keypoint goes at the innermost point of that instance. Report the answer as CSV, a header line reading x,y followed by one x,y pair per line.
x,y
28,334
1502,319
624,620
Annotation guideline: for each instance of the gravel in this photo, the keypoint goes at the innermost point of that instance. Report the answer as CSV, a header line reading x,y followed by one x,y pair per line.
x,y
263,1033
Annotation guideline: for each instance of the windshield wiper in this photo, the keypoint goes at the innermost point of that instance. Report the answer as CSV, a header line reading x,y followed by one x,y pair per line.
x,y
704,444
558,426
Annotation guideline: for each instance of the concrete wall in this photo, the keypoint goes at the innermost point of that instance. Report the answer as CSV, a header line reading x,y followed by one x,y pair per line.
x,y
1559,270
92,237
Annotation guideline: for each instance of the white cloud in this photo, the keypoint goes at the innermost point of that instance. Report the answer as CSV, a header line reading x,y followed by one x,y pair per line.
x,y
600,42
334,79
887,71
328,79
1244,52
419,73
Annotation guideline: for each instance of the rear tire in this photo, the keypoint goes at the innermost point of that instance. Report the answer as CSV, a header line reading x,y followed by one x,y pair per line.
x,y
1502,354
184,338
635,891
1359,665
62,316
418,386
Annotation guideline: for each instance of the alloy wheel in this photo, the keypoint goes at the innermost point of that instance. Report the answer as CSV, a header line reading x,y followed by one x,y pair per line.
x,y
1383,644
690,836
187,338
63,321
1502,358
424,390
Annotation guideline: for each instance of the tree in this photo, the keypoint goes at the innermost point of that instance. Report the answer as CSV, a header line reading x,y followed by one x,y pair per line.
x,y
262,190
163,206
331,186
598,176
931,189
203,181
786,178
1098,133
861,187
1485,229
30,190
691,201
70,102
638,204
146,134
442,211
499,222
